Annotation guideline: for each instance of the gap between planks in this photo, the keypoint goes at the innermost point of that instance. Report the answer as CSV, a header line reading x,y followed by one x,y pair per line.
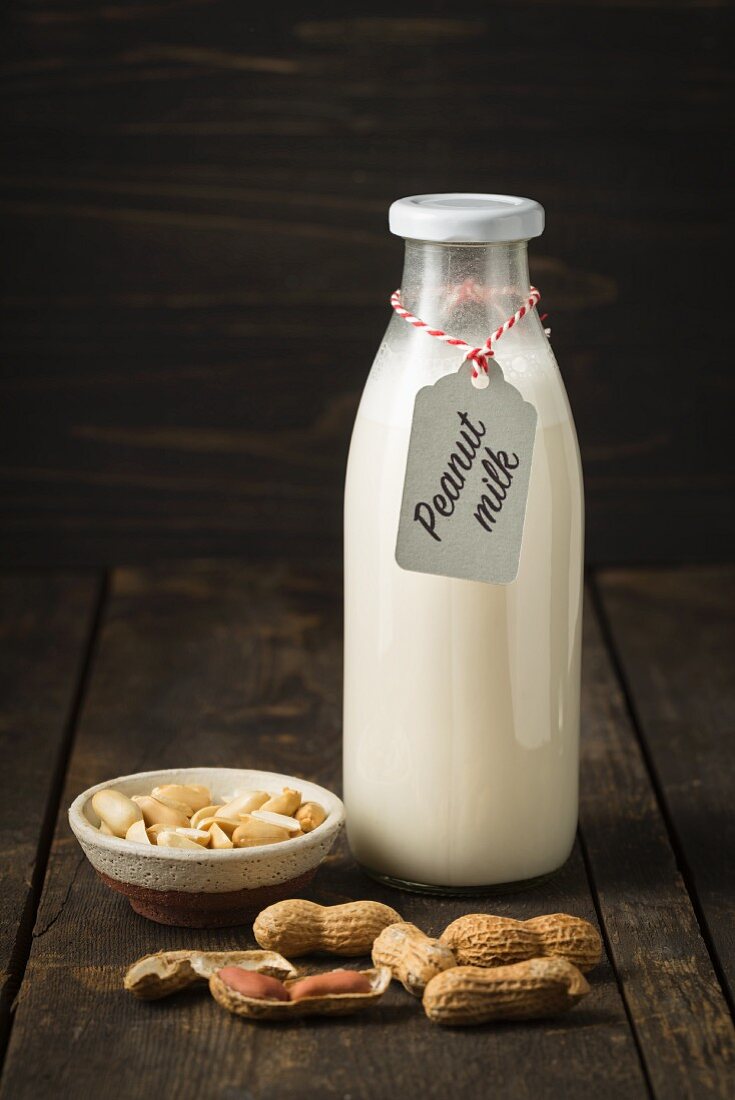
x,y
18,960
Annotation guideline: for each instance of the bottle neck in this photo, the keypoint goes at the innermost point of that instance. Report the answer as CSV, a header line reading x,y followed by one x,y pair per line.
x,y
467,290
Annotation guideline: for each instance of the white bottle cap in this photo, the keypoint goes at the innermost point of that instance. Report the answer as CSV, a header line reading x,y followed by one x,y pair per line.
x,y
467,217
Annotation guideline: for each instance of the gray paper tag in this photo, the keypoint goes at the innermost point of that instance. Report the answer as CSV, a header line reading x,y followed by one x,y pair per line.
x,y
469,461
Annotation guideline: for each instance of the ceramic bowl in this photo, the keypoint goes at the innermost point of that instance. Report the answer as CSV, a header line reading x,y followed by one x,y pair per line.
x,y
208,888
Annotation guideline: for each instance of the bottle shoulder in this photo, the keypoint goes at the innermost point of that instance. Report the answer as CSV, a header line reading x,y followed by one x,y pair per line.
x,y
408,360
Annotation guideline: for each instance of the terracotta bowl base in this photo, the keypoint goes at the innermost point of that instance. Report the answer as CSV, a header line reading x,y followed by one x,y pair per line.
x,y
204,910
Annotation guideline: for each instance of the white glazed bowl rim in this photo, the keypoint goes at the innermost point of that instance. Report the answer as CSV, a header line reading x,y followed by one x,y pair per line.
x,y
242,778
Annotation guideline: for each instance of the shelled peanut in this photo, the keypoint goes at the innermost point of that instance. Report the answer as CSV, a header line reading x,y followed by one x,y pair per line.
x,y
185,816
252,984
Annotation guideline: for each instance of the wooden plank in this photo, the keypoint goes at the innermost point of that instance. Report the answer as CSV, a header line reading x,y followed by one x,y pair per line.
x,y
681,1019
187,195
234,666
674,635
45,623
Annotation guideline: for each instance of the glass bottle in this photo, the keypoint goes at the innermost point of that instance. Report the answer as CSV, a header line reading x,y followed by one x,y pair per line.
x,y
461,699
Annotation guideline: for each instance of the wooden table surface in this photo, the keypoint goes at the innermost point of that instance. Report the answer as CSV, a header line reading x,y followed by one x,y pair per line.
x,y
229,664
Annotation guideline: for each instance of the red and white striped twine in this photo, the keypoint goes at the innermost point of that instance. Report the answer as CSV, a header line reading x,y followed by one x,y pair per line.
x,y
477,356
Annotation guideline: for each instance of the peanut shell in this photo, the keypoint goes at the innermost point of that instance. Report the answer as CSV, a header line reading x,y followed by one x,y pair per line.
x,y
413,957
480,939
298,927
526,990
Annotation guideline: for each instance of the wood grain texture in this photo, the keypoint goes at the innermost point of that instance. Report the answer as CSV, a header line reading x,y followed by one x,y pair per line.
x,y
235,666
679,1014
674,636
45,623
188,191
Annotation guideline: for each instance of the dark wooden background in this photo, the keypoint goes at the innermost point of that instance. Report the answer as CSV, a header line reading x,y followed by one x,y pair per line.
x,y
189,186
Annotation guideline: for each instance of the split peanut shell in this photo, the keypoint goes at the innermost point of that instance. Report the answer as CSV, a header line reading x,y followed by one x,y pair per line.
x,y
155,976
334,1004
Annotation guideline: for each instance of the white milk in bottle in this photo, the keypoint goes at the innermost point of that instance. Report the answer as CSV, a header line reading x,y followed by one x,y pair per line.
x,y
461,698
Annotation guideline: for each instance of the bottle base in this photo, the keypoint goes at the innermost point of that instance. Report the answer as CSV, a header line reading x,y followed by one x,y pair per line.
x,y
458,891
